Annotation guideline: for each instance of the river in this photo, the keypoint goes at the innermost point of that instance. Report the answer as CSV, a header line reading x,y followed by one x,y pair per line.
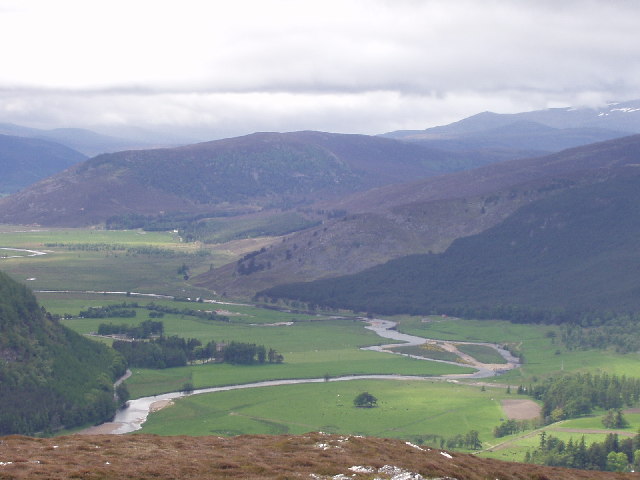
x,y
30,253
132,417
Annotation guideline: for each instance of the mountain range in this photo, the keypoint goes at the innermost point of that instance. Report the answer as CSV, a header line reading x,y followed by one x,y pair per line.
x,y
386,197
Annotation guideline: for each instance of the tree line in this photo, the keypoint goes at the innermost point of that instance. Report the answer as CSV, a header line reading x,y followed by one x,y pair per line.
x,y
174,351
146,329
613,454
128,310
572,395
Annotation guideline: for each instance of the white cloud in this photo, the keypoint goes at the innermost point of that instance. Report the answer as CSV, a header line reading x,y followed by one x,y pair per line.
x,y
341,65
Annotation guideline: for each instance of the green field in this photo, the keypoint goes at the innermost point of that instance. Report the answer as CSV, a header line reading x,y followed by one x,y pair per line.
x,y
406,409
82,259
435,354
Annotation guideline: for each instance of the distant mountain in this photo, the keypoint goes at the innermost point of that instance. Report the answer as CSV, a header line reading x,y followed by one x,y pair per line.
x,y
258,171
24,161
540,131
421,217
576,250
50,376
620,117
85,141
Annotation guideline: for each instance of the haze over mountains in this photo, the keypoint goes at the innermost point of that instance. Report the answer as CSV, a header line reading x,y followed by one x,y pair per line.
x,y
91,143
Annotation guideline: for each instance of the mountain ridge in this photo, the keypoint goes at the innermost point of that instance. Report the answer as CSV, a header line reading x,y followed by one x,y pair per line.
x,y
250,173
573,251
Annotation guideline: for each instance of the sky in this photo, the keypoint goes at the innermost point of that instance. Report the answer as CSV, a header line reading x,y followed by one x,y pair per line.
x,y
228,68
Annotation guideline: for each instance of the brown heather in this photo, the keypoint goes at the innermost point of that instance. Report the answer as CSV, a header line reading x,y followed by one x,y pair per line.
x,y
312,456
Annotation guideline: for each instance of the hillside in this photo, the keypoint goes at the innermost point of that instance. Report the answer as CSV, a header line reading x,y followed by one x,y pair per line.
x,y
314,455
421,217
50,376
245,174
575,251
24,161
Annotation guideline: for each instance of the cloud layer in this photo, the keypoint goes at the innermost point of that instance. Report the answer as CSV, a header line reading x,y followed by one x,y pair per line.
x,y
339,65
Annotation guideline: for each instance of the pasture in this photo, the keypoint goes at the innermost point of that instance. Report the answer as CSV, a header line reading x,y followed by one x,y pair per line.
x,y
411,410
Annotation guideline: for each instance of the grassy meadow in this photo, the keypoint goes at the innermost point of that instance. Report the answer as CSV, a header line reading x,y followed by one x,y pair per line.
x,y
410,410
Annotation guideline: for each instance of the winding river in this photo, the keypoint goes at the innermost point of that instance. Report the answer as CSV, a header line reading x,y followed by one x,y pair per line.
x,y
132,417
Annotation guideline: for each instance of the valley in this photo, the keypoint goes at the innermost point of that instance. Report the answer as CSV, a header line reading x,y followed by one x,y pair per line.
x,y
260,285
320,347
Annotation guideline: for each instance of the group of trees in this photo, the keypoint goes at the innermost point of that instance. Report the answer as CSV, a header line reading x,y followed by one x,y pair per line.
x,y
613,454
578,394
603,330
239,353
122,310
173,351
470,440
164,352
146,329
511,426
129,310
116,247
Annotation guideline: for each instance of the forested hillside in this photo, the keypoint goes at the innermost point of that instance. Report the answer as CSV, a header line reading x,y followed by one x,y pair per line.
x,y
50,377
574,251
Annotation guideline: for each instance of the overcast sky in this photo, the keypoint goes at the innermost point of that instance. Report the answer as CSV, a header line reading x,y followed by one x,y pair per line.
x,y
237,66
